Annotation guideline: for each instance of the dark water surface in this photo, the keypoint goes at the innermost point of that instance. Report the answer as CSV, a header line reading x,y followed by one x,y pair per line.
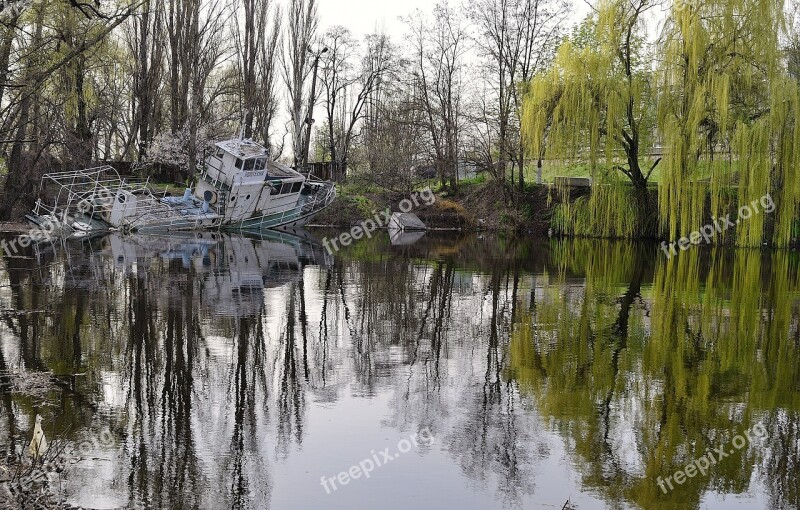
x,y
224,371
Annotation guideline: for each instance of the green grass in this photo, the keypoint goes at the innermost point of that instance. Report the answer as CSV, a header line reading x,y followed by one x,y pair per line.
x,y
478,179
551,170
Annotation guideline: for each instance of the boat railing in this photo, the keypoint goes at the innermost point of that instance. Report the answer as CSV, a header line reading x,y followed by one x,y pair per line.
x,y
95,193
65,192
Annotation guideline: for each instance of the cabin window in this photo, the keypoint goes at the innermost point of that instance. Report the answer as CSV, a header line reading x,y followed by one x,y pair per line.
x,y
238,163
287,188
261,163
219,153
276,189
248,165
297,187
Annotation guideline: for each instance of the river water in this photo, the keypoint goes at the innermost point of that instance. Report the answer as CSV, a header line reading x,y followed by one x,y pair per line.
x,y
447,372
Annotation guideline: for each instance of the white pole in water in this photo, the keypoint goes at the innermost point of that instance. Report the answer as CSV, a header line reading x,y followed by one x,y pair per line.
x,y
38,443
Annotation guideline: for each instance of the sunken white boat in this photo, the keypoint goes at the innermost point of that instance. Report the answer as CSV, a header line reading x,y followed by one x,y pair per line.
x,y
239,187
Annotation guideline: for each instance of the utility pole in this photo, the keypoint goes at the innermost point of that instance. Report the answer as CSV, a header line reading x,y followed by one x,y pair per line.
x,y
311,102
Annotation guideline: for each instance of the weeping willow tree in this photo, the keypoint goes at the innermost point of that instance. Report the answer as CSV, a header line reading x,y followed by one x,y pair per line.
x,y
728,113
595,105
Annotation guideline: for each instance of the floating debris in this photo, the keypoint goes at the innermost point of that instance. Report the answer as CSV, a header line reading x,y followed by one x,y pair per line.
x,y
406,221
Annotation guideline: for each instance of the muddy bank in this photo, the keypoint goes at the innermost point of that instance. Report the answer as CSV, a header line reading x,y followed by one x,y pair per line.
x,y
473,207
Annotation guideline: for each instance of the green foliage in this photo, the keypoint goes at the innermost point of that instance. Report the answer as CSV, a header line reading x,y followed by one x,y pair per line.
x,y
727,104
725,107
595,106
478,179
365,206
609,211
576,108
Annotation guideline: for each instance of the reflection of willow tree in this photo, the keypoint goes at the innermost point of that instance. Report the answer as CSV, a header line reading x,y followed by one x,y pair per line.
x,y
720,356
573,362
713,353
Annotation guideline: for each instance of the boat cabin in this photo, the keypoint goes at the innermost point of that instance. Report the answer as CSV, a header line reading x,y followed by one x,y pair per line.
x,y
241,181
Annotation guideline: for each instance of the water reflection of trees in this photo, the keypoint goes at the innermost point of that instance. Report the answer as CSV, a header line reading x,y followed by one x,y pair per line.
x,y
645,379
639,363
154,328
436,336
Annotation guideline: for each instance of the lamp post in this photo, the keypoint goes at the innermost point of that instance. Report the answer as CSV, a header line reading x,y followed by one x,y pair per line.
x,y
311,101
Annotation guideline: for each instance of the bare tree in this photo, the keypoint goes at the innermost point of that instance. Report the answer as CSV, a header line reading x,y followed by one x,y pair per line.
x,y
266,104
178,21
517,39
146,39
302,25
395,139
439,49
337,77
196,38
8,33
116,114
348,89
256,46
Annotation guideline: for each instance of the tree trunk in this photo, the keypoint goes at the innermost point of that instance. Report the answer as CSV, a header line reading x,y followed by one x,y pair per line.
x,y
82,149
18,174
9,33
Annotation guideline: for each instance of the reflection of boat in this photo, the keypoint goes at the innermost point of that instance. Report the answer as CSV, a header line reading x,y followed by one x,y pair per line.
x,y
234,269
238,187
400,237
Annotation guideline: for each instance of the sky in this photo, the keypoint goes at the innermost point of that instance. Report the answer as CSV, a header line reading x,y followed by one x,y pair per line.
x,y
369,16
